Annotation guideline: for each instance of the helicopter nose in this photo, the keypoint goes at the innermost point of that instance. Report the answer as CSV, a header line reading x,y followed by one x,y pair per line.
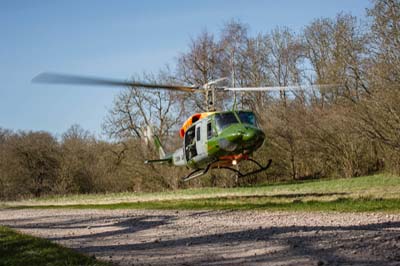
x,y
249,134
253,136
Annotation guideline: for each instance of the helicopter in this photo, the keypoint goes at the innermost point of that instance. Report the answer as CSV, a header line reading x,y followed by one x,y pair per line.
x,y
210,140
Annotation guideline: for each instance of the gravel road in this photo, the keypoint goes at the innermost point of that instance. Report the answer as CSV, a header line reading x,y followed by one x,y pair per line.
x,y
143,237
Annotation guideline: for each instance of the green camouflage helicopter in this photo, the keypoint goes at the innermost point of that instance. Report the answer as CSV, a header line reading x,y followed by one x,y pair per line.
x,y
213,139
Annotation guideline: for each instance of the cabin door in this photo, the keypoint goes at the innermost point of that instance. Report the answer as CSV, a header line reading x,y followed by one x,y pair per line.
x,y
190,143
201,138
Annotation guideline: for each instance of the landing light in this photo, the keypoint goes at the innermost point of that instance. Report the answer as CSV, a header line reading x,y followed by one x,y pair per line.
x,y
234,162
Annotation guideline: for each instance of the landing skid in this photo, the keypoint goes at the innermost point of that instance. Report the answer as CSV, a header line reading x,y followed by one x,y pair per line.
x,y
240,174
201,171
197,173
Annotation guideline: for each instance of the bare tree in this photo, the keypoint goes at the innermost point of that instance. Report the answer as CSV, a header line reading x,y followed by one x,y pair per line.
x,y
285,58
135,108
385,38
378,115
233,45
36,161
337,52
198,66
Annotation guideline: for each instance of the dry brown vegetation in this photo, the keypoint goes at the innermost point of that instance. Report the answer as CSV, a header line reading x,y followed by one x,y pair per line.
x,y
348,129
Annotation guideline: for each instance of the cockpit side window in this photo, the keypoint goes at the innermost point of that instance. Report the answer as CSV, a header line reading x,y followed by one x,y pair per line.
x,y
198,137
248,118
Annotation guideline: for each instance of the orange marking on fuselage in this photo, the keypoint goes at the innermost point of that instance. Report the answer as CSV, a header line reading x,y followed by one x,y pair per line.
x,y
194,118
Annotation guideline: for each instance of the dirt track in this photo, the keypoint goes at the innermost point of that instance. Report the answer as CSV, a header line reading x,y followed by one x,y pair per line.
x,y
133,237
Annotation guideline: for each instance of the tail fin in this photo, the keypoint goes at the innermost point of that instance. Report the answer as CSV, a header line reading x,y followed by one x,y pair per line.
x,y
149,136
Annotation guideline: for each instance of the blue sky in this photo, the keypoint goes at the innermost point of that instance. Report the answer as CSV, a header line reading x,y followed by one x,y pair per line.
x,y
115,39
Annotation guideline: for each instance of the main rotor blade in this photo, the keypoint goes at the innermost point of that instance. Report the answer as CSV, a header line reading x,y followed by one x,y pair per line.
x,y
279,88
57,78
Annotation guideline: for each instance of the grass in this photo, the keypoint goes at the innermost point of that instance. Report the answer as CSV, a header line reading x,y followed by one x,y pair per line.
x,y
20,249
241,203
362,194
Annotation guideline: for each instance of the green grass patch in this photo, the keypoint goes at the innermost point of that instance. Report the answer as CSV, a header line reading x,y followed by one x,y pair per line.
x,y
20,249
249,203
368,193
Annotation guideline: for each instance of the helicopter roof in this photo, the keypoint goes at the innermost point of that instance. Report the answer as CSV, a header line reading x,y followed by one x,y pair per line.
x,y
194,118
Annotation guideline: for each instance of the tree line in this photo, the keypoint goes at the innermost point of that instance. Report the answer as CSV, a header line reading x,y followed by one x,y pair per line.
x,y
350,127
